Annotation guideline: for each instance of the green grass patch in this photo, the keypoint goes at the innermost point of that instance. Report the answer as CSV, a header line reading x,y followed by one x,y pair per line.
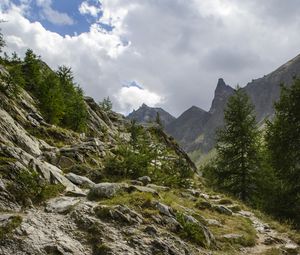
x,y
237,225
135,199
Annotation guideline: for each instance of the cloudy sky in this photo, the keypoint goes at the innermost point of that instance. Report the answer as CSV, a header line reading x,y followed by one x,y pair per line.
x,y
166,53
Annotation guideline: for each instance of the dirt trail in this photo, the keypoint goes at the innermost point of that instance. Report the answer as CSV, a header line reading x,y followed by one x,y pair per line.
x,y
268,238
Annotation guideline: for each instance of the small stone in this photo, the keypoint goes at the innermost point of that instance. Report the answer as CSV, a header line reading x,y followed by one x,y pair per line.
x,y
164,209
213,222
145,180
151,230
143,189
203,205
223,210
158,187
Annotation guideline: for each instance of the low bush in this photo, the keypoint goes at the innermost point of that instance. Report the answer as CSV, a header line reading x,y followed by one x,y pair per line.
x,y
13,223
27,185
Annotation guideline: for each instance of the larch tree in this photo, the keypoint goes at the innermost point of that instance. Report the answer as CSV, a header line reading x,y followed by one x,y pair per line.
x,y
237,148
283,143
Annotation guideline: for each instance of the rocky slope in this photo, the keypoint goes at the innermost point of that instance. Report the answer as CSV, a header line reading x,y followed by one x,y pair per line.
x,y
265,91
146,114
56,199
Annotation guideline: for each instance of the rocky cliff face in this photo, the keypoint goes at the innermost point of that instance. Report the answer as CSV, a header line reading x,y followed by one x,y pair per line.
x,y
146,114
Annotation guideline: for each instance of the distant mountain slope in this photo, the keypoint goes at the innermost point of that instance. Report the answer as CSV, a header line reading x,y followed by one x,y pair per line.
x,y
265,91
146,114
186,128
195,129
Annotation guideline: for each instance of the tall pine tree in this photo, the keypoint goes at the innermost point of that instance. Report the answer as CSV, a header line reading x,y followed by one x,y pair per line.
x,y
283,142
237,148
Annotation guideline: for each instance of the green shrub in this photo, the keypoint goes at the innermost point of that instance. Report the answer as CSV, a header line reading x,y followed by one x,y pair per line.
x,y
6,230
102,249
28,185
191,231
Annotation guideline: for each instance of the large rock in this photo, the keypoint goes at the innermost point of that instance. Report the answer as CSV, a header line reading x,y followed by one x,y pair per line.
x,y
80,180
106,189
14,133
61,204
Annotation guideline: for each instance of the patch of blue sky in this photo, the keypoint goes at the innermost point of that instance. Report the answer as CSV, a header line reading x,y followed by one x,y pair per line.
x,y
129,84
80,22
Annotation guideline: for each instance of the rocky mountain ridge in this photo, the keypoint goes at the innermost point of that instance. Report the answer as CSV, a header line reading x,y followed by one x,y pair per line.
x,y
198,137
146,114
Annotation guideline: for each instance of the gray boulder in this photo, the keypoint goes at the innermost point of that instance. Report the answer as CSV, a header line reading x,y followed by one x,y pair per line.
x,y
106,189
164,209
80,180
61,204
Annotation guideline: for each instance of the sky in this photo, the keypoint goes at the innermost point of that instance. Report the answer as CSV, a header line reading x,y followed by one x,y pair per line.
x,y
165,53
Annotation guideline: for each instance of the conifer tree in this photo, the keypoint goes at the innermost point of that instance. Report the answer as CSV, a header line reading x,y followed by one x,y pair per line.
x,y
237,148
51,99
106,104
32,73
75,109
283,142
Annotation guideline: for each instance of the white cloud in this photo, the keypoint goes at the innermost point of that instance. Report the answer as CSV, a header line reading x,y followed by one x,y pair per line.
x,y
130,98
178,48
85,9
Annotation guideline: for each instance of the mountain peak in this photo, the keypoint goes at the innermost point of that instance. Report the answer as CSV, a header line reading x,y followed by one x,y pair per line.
x,y
195,109
222,87
222,92
221,83
146,114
